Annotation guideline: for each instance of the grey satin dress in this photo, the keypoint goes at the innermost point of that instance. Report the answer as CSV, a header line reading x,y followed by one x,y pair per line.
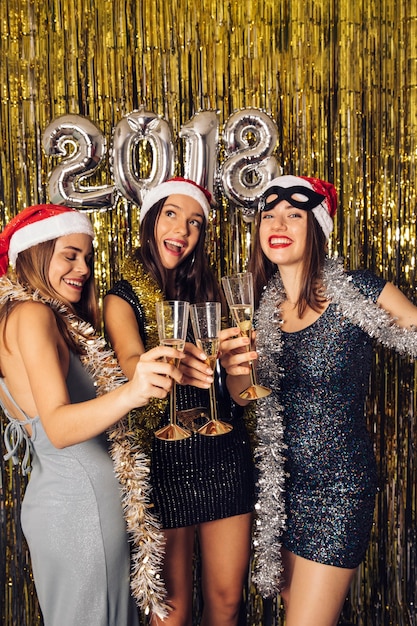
x,y
73,522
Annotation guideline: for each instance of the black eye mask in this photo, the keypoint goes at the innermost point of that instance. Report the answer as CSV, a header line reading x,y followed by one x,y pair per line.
x,y
312,198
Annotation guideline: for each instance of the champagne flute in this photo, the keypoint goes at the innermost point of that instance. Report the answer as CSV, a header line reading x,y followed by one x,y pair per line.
x,y
172,321
238,289
206,322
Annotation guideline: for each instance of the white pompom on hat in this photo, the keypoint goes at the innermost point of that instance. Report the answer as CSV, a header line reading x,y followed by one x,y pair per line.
x,y
323,212
177,185
37,224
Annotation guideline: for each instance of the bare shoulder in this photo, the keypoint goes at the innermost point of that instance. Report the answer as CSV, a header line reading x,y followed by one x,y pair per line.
x,y
33,313
119,316
29,320
115,305
30,345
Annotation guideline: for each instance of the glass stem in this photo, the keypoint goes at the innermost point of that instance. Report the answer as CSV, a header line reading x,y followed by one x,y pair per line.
x,y
253,379
213,405
173,404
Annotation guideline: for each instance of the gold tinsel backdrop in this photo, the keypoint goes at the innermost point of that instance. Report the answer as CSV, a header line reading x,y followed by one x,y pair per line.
x,y
335,83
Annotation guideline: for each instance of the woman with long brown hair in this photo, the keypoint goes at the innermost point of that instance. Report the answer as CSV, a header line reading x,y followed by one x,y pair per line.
x,y
315,325
53,370
201,484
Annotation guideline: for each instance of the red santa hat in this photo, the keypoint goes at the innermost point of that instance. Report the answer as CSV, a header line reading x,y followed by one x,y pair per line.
x,y
37,224
177,185
326,208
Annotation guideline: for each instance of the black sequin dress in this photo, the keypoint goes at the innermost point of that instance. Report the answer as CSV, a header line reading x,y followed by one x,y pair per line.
x,y
332,478
201,478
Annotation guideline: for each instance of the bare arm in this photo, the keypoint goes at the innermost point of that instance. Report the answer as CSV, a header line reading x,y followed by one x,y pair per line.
x,y
39,357
398,306
123,332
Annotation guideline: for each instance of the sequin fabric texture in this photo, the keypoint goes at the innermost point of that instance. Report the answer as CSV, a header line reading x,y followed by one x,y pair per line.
x,y
201,478
332,480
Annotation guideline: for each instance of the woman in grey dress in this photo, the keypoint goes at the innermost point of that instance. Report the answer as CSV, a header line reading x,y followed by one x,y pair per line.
x,y
52,369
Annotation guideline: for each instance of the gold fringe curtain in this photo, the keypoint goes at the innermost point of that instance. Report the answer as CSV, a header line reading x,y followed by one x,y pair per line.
x,y
339,80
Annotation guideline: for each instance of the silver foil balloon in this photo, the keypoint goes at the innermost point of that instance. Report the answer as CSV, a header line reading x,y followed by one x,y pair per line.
x,y
83,148
201,148
250,137
141,126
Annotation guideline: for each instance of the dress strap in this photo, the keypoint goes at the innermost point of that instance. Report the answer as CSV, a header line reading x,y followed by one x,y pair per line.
x,y
15,433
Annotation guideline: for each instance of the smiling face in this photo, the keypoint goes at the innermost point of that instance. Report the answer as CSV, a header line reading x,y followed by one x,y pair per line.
x,y
70,265
283,234
178,229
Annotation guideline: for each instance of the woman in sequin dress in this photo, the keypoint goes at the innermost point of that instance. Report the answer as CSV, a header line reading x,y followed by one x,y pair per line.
x,y
201,484
315,352
72,514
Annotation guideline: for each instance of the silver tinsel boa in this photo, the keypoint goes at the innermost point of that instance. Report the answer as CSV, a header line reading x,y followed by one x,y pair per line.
x,y
270,452
131,465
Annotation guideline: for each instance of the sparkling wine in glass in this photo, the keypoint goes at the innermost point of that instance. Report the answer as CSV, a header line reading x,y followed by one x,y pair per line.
x,y
172,321
238,289
206,322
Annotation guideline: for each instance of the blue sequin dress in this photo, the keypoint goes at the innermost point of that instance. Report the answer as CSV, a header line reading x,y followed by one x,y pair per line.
x,y
332,479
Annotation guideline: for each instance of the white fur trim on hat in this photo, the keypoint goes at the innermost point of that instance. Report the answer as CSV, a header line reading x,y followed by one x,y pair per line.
x,y
171,187
321,212
46,229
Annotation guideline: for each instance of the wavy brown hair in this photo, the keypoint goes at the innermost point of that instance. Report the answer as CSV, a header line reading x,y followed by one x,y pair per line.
x,y
32,272
193,280
314,256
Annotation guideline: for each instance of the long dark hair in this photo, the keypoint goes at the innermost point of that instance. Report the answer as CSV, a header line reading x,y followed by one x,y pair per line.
x,y
315,253
193,280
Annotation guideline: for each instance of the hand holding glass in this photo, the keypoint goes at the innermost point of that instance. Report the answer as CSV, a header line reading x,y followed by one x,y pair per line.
x,y
238,289
172,321
206,321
